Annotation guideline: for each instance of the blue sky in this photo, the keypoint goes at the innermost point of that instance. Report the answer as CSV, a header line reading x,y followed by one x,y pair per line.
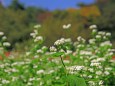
x,y
50,4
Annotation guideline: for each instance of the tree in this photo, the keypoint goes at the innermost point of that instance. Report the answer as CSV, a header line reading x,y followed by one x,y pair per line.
x,y
16,5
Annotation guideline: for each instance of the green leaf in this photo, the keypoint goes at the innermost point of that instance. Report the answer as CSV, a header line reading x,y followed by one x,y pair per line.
x,y
75,81
57,54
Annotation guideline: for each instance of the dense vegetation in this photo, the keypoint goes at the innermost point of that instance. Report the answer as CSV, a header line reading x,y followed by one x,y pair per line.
x,y
17,21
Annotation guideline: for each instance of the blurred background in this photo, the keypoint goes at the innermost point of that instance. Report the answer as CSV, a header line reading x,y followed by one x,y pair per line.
x,y
17,18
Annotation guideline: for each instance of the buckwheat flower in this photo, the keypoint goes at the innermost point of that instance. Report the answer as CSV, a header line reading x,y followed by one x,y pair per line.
x,y
40,71
14,78
100,59
93,27
32,79
1,33
108,68
39,51
44,47
53,49
106,73
36,56
33,35
91,83
108,43
108,34
4,38
94,30
5,81
41,83
68,52
90,76
80,39
68,40
66,61
66,26
85,53
38,38
100,82
36,32
100,67
61,50
57,78
37,26
92,41
29,83
98,36
101,33
28,53
2,65
35,66
60,42
84,75
7,44
91,70
77,68
14,70
95,64
98,72
50,72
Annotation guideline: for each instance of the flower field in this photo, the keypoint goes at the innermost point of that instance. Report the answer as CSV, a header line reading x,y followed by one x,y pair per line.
x,y
66,63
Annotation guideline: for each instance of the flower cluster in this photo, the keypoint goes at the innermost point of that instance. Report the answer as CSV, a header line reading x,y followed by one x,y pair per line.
x,y
3,42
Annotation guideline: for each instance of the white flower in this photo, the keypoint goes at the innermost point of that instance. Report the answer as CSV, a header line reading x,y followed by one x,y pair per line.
x,y
28,53
92,41
57,78
93,27
40,71
66,61
95,64
90,76
33,35
39,51
106,43
98,36
7,44
36,32
68,52
1,33
106,73
36,56
100,82
101,33
14,70
91,70
14,78
5,81
38,38
37,26
80,39
31,79
53,49
108,34
4,37
66,26
29,83
85,53
91,83
108,68
60,42
50,72
98,72
100,59
77,68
